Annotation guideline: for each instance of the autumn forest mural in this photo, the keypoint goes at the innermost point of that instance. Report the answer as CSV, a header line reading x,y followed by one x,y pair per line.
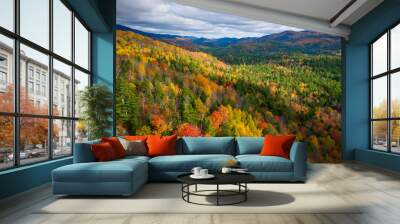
x,y
193,84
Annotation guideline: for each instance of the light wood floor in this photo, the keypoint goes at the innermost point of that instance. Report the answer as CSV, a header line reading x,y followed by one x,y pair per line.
x,y
379,189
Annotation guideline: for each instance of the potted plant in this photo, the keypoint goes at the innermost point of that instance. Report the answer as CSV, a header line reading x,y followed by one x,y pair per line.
x,y
96,103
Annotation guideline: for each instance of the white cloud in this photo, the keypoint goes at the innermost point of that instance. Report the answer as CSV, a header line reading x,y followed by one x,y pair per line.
x,y
168,17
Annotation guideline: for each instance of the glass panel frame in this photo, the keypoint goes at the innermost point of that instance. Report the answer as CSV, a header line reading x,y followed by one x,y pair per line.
x,y
380,55
7,158
34,22
379,98
62,18
62,137
81,131
7,83
81,81
395,136
7,14
379,135
395,47
33,140
82,45
395,95
38,102
62,89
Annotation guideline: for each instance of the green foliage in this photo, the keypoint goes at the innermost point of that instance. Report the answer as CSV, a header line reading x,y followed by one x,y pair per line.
x,y
127,103
96,102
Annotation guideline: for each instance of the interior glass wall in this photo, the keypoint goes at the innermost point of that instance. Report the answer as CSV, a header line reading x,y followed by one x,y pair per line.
x,y
40,80
385,91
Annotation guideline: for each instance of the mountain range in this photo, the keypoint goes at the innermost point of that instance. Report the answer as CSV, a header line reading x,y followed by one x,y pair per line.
x,y
253,49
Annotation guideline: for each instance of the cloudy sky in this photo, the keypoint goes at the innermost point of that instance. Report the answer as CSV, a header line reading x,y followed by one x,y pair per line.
x,y
168,17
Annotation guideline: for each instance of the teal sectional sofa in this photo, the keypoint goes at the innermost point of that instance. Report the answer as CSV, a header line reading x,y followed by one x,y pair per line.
x,y
125,176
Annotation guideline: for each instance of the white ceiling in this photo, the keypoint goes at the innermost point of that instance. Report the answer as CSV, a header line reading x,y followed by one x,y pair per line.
x,y
321,9
318,15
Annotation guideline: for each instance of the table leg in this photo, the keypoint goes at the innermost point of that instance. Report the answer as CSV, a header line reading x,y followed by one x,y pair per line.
x,y
188,189
245,193
195,188
217,194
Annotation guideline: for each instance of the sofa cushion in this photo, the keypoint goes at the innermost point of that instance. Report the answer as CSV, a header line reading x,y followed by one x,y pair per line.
x,y
116,145
103,152
249,145
134,147
185,163
161,145
257,163
208,145
277,145
120,170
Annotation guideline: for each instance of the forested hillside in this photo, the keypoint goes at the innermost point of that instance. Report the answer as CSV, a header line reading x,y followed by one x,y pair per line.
x,y
164,89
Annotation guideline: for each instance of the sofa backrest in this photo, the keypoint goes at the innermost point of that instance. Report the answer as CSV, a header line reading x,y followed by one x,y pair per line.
x,y
208,145
249,145
190,146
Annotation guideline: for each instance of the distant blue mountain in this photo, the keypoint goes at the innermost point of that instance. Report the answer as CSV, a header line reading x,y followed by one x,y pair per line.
x,y
237,50
152,35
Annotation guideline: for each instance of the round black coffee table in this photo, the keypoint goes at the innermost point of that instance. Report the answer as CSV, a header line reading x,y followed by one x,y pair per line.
x,y
238,179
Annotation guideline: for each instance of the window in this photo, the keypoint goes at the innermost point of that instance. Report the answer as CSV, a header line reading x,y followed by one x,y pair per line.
x,y
3,61
30,88
3,71
38,89
31,72
3,78
385,94
44,91
38,74
47,75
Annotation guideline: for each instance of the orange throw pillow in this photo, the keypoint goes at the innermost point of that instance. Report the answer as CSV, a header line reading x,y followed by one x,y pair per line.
x,y
103,152
161,146
116,145
278,145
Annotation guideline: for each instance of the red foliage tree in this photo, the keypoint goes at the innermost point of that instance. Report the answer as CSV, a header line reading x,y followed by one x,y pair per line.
x,y
189,130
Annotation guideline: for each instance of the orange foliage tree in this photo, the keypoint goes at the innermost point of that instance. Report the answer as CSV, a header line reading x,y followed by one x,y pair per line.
x,y
33,131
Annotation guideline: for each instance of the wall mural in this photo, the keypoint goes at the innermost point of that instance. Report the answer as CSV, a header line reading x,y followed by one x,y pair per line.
x,y
194,72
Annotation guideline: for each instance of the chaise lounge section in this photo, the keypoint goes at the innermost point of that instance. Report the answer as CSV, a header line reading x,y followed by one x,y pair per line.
x,y
125,176
88,177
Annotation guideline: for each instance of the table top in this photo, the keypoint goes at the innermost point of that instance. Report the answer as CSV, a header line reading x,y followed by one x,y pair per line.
x,y
220,178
